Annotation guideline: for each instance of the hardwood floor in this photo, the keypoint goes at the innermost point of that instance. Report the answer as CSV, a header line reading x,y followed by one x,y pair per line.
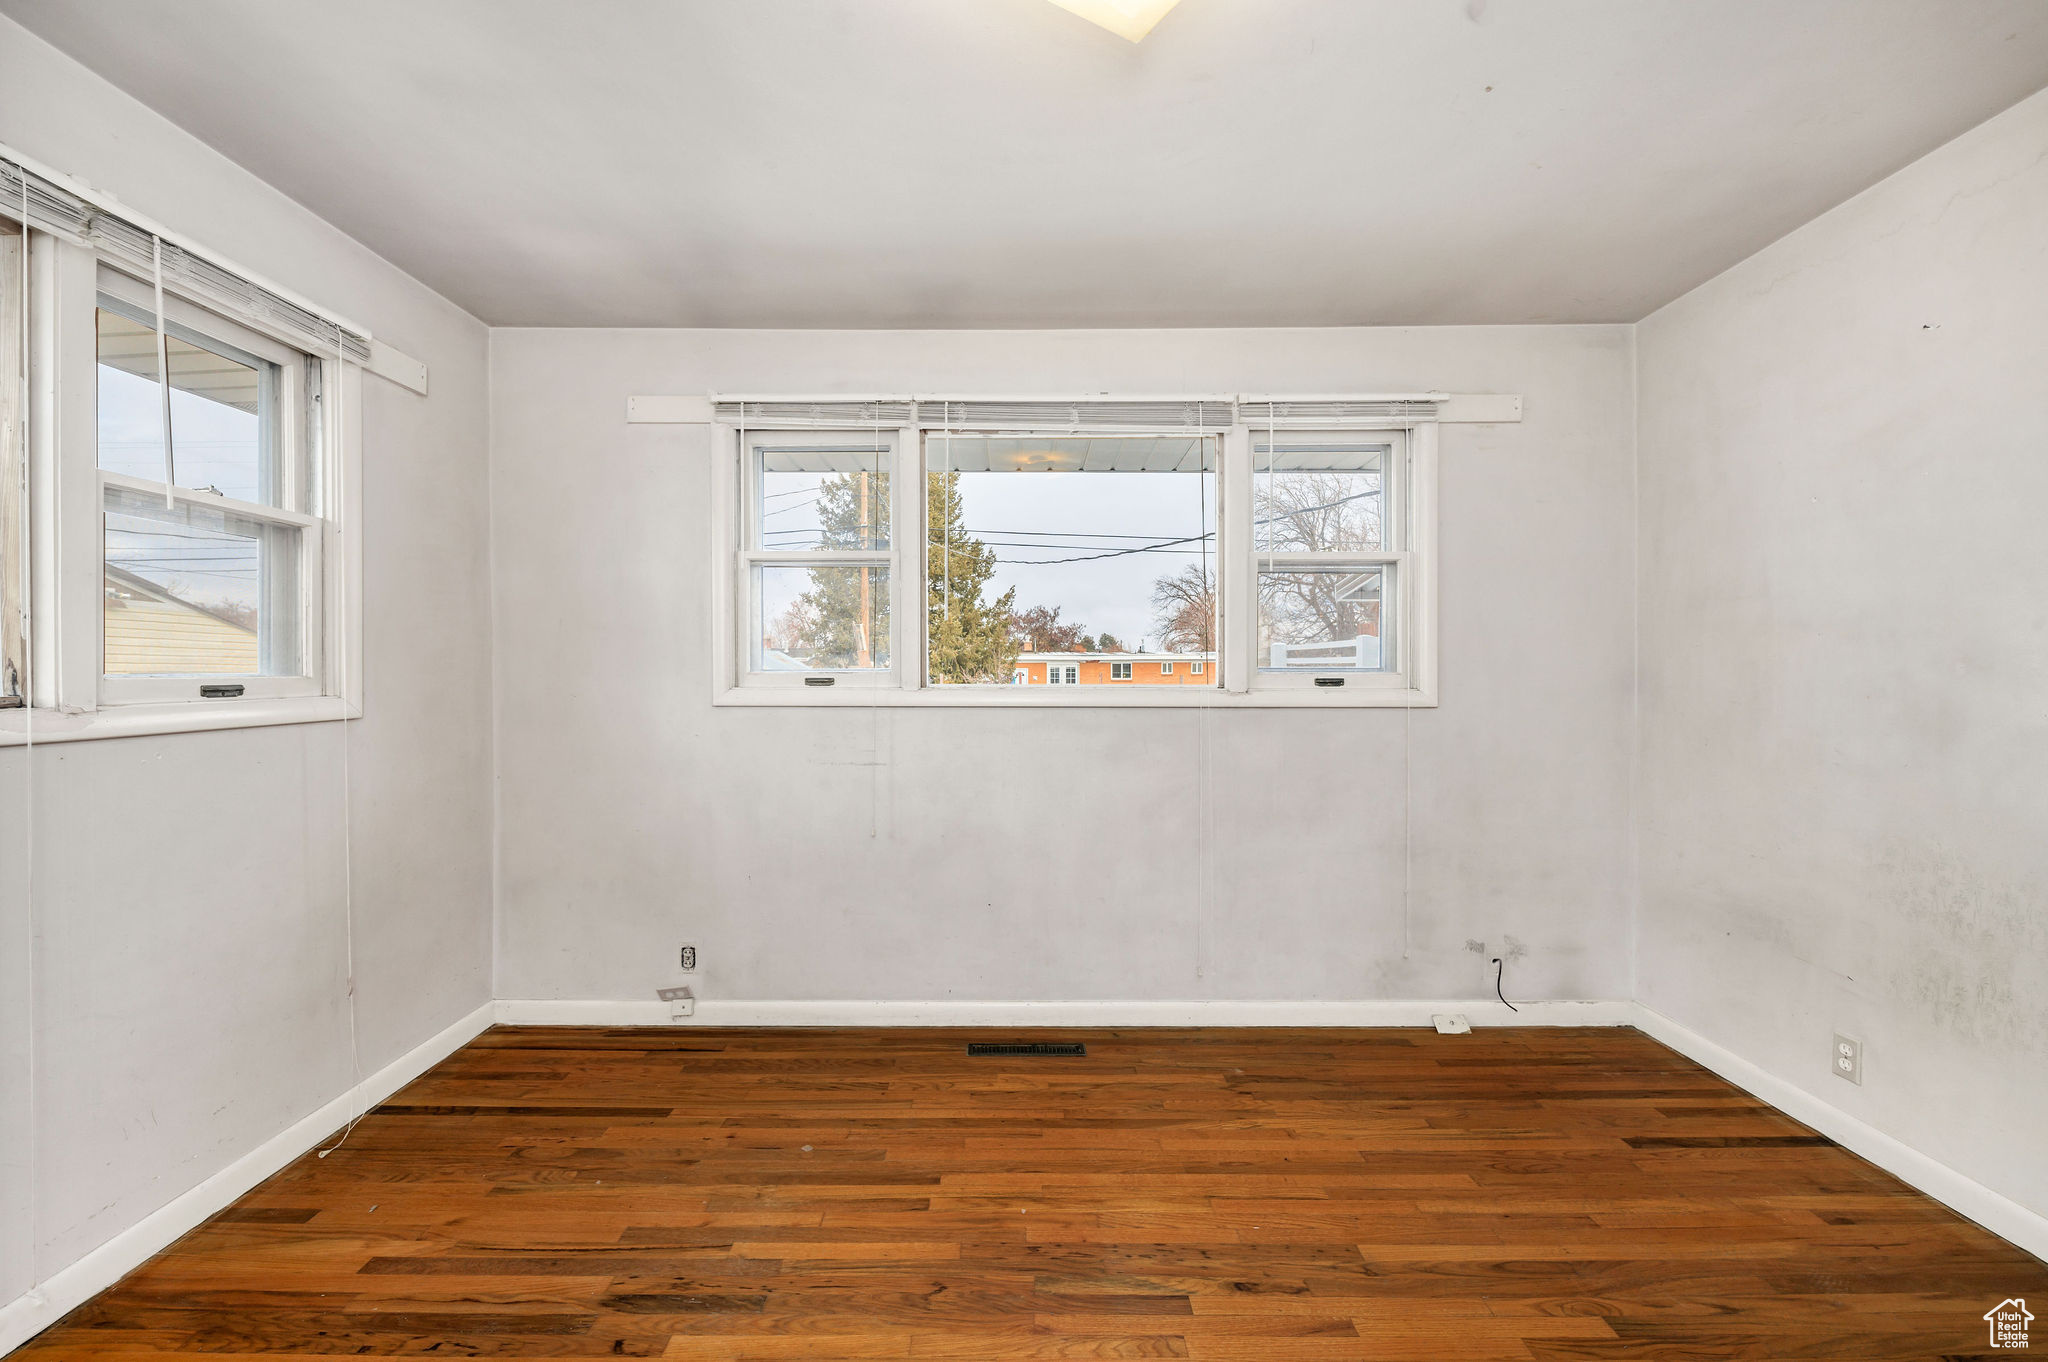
x,y
1240,1196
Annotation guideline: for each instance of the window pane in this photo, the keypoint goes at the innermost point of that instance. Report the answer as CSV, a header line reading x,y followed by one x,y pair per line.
x,y
193,591
1318,495
827,495
815,619
1048,552
221,410
1323,619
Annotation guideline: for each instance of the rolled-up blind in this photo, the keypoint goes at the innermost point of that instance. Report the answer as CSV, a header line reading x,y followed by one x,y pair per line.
x,y
1077,414
1327,411
53,208
826,414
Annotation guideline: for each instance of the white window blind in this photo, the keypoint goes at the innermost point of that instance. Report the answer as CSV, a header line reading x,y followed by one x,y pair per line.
x,y
1075,414
1336,411
824,414
122,241
1081,414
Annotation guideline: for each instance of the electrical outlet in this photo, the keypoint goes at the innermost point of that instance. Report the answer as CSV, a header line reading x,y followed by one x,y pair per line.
x,y
1451,1023
681,1002
688,959
1849,1059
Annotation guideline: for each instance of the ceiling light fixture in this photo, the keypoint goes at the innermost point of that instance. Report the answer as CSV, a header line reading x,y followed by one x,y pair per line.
x,y
1128,19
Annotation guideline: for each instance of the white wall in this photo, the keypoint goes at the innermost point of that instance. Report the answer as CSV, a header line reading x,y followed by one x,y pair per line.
x,y
983,855
1844,451
188,960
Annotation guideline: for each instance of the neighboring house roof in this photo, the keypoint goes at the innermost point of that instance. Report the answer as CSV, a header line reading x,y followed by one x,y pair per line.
x,y
1116,657
151,632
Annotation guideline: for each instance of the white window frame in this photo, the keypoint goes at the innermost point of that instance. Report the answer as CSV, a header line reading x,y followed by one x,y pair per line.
x,y
73,697
293,458
1410,618
1124,667
747,558
1401,525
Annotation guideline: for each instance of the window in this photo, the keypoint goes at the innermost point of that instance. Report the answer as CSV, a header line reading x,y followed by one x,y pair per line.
x,y
1326,554
1052,541
818,560
1077,553
196,575
211,550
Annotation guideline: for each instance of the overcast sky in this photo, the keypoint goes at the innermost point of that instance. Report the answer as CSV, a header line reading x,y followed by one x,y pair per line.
x,y
1030,518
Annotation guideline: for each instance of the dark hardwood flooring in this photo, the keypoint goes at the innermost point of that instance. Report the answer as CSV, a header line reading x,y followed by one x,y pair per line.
x,y
1238,1196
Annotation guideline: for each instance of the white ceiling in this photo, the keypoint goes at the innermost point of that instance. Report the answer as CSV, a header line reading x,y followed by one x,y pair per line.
x,y
826,163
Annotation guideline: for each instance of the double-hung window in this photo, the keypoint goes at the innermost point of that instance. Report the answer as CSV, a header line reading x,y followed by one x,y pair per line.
x,y
187,442
817,561
1327,526
212,550
1047,551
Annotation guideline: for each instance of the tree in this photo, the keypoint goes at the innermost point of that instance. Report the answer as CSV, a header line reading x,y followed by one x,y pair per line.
x,y
790,631
970,639
844,618
1038,630
1185,610
1320,512
1109,643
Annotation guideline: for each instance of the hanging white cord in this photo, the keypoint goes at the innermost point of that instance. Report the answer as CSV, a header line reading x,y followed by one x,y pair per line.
x,y
1205,787
338,480
946,506
163,371
1407,714
28,780
872,505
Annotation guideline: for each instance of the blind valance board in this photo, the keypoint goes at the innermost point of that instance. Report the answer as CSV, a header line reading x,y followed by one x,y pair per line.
x,y
53,208
1040,415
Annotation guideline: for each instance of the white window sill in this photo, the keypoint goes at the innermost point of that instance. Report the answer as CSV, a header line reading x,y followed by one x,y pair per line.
x,y
24,727
1120,695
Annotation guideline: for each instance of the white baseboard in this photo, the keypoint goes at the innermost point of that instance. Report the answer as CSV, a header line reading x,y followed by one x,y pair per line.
x,y
1088,1012
28,1315
1999,1214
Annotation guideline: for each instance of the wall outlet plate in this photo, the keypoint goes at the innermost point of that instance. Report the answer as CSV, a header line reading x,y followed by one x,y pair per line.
x,y
686,958
1451,1023
681,1002
1848,1059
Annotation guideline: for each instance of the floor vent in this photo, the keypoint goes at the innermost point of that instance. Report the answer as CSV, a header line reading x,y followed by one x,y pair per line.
x,y
1031,1047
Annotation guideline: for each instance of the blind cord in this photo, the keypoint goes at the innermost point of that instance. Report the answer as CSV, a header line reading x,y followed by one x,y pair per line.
x,y
163,370
338,479
28,784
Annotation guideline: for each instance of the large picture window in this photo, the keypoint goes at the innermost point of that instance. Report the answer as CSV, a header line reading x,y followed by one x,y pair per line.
x,y
1056,551
1175,553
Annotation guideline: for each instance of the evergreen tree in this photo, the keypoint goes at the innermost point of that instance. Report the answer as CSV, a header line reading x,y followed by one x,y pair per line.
x,y
970,638
846,611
